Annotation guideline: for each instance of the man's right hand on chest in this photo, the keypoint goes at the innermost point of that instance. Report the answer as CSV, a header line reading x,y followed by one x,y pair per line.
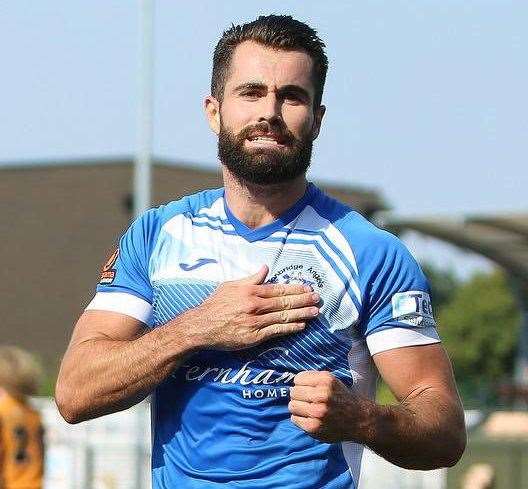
x,y
245,312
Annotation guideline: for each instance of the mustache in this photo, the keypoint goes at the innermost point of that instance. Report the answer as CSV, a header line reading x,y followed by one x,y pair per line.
x,y
280,132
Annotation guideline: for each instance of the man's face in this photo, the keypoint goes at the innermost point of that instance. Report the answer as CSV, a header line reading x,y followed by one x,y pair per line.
x,y
266,122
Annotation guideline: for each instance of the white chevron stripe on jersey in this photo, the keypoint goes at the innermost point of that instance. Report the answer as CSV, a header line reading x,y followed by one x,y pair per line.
x,y
213,221
311,220
343,267
216,209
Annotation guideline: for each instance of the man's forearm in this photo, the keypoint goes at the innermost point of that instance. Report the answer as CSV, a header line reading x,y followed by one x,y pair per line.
x,y
425,431
101,375
106,372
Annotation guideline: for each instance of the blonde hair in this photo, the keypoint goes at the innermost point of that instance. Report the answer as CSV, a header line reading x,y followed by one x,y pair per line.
x,y
20,373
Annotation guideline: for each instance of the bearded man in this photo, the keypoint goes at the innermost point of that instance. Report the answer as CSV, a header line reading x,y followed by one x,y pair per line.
x,y
259,314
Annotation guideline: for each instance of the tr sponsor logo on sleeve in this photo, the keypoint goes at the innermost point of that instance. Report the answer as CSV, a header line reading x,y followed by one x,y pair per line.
x,y
413,308
108,272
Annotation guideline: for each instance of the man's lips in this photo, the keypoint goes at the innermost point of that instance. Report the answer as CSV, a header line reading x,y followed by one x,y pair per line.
x,y
267,139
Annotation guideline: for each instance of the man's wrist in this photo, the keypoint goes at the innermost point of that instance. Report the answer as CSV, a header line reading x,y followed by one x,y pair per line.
x,y
186,337
366,419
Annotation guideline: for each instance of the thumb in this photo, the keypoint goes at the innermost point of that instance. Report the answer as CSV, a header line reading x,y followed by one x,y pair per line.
x,y
256,278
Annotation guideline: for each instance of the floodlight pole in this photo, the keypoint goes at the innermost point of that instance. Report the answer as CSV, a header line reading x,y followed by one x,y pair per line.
x,y
143,157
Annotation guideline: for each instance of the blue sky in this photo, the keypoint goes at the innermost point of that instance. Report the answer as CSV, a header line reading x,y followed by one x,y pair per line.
x,y
426,99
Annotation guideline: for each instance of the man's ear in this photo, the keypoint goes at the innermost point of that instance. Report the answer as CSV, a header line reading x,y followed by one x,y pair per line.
x,y
319,114
212,112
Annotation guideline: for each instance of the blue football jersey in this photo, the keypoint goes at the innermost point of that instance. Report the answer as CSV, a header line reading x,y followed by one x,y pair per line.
x,y
221,419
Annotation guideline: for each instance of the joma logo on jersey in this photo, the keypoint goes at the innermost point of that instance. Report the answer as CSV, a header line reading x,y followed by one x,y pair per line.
x,y
413,308
187,267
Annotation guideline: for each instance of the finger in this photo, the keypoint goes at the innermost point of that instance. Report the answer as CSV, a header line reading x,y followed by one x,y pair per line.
x,y
300,408
256,278
317,396
313,378
289,316
275,330
289,302
277,290
304,393
310,425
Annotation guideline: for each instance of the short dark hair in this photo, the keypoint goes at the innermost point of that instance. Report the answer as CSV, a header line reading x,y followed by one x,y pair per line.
x,y
276,31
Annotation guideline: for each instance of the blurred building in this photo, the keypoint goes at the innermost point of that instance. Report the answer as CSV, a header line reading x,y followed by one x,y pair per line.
x,y
59,222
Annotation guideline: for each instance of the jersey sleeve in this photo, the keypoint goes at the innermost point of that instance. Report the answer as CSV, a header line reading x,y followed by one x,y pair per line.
x,y
124,285
398,310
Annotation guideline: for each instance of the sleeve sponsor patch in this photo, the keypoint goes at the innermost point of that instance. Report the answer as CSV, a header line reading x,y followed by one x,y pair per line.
x,y
108,272
413,308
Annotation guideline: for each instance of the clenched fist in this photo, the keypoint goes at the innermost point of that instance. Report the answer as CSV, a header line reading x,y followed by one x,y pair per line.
x,y
326,409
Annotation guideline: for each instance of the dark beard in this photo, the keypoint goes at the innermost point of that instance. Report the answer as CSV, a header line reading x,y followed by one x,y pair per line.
x,y
266,166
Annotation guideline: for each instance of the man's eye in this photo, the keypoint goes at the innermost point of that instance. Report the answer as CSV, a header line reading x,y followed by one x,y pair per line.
x,y
251,94
293,99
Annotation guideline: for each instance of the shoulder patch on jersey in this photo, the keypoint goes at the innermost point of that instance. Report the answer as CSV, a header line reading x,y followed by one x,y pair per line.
x,y
413,308
107,272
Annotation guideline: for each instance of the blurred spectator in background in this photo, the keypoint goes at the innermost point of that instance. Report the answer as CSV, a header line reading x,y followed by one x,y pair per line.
x,y
479,476
21,432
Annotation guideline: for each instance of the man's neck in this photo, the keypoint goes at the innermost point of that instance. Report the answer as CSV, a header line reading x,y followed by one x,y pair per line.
x,y
258,205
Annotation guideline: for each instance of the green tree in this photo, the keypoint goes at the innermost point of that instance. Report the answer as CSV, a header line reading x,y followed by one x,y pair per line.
x,y
479,327
478,322
444,284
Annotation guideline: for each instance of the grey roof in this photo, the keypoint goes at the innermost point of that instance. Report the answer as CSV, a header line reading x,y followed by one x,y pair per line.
x,y
501,238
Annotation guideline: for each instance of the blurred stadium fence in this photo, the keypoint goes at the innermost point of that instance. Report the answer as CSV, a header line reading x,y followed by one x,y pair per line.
x,y
113,452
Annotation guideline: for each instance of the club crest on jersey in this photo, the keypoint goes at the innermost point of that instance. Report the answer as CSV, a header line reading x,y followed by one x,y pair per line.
x,y
108,272
413,308
297,274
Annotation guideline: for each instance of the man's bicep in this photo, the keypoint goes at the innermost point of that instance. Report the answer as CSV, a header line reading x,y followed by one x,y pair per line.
x,y
414,368
97,324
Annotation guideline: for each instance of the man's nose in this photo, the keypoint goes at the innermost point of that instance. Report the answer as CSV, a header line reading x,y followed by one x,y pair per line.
x,y
270,109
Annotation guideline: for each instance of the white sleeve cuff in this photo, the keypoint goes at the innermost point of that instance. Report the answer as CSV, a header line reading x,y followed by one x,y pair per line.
x,y
390,338
123,303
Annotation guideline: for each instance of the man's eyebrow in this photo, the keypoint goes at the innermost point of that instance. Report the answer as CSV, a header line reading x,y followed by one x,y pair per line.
x,y
296,89
250,85
255,85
